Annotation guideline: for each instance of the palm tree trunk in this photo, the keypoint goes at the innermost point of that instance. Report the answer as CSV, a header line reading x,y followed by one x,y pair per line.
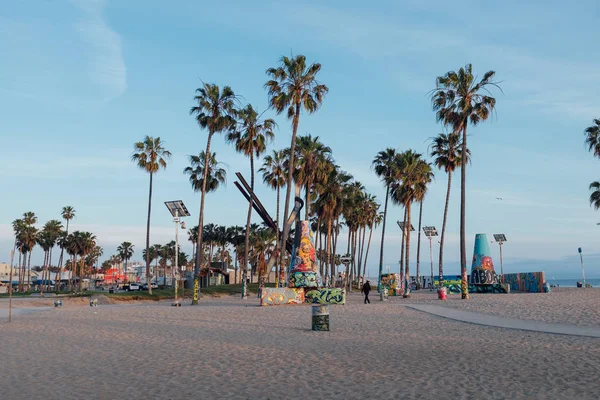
x,y
463,244
419,246
247,238
279,269
441,268
199,251
49,269
407,264
81,265
387,192
330,261
367,252
60,261
44,270
402,248
290,179
362,261
29,271
148,237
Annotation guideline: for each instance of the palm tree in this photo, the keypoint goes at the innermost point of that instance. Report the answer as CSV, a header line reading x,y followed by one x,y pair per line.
x,y
423,180
273,171
250,138
68,213
458,100
214,112
85,242
592,139
150,156
386,169
403,191
216,175
151,254
311,155
446,150
125,251
29,239
293,86
53,229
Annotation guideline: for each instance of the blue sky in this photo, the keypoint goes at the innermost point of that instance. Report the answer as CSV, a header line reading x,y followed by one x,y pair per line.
x,y
83,80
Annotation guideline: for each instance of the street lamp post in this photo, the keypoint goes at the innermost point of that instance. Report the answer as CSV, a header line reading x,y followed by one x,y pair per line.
x,y
430,232
178,210
582,272
500,238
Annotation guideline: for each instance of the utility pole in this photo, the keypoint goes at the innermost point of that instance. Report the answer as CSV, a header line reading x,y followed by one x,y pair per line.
x,y
582,271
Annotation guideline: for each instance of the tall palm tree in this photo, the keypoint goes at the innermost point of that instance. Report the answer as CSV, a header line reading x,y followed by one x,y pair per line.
x,y
423,180
592,139
250,138
403,192
459,99
85,242
150,156
273,171
29,239
446,150
293,86
311,155
125,251
53,229
386,169
68,213
214,112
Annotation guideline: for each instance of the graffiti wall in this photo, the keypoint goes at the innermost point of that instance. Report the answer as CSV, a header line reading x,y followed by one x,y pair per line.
x,y
279,296
532,282
390,282
495,288
326,296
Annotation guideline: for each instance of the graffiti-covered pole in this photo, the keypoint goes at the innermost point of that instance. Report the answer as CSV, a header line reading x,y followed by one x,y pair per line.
x,y
582,271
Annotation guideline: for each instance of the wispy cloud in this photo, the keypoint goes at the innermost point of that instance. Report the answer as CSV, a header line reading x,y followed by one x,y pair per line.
x,y
105,54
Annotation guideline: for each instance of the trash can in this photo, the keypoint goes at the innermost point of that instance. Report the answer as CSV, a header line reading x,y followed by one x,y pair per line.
x,y
546,287
442,293
320,317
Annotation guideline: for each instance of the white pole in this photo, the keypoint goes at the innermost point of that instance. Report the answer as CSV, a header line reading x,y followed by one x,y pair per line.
x,y
582,272
501,266
431,258
10,287
176,251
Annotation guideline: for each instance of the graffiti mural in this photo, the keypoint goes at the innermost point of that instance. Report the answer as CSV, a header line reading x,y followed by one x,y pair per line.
x,y
390,282
304,271
304,280
279,296
531,282
495,288
482,268
326,296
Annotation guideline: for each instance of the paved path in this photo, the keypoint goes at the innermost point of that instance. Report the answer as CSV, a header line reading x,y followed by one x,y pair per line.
x,y
503,322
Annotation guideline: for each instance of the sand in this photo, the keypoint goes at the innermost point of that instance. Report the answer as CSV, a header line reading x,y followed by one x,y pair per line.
x,y
228,348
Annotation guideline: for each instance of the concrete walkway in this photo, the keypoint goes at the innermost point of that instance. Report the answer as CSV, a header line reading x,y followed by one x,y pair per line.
x,y
503,322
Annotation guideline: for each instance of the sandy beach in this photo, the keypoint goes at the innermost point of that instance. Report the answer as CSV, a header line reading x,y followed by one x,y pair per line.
x,y
228,348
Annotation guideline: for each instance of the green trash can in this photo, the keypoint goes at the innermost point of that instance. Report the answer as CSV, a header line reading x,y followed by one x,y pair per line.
x,y
320,317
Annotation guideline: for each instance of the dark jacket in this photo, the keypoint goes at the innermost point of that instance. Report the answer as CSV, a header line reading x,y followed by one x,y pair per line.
x,y
366,288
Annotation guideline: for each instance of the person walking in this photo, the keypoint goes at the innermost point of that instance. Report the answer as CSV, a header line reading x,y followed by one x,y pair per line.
x,y
366,289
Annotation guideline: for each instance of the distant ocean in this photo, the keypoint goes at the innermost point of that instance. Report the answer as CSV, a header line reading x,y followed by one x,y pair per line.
x,y
595,282
572,282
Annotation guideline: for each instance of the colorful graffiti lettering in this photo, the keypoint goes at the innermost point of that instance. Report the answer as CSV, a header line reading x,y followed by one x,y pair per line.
x,y
495,288
532,282
304,279
196,290
326,296
278,296
482,268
